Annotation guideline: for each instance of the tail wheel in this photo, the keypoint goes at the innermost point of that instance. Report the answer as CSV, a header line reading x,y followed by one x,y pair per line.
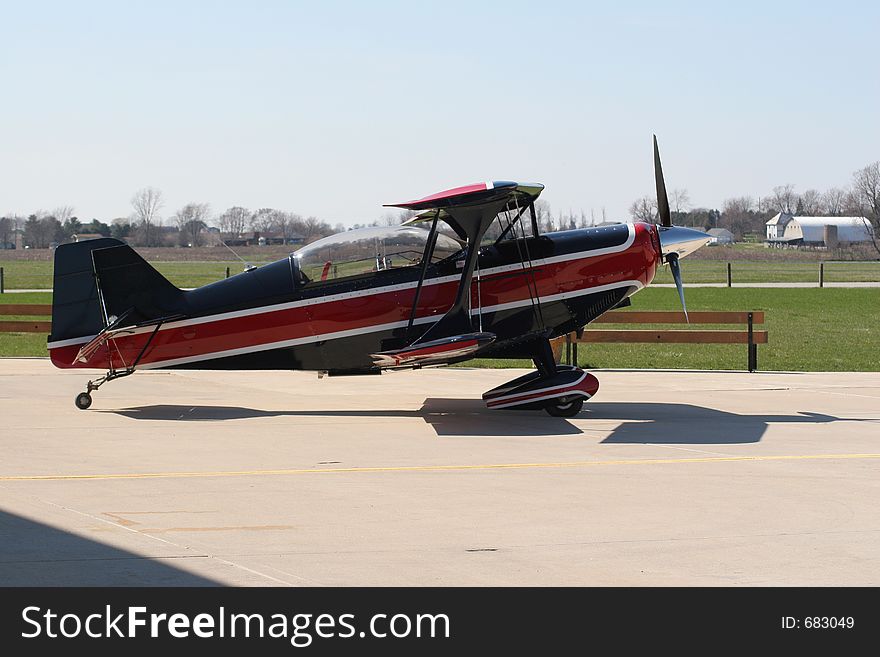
x,y
562,407
83,400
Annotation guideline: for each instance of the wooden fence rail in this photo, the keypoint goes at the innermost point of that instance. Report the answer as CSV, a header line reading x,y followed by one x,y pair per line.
x,y
750,336
25,325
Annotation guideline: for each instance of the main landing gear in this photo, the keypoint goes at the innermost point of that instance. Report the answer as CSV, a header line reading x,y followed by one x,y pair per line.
x,y
560,390
561,408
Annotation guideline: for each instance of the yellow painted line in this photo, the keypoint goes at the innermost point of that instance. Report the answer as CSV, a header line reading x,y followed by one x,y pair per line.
x,y
434,468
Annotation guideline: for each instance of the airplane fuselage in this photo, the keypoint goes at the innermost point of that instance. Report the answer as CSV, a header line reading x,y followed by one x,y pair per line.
x,y
523,290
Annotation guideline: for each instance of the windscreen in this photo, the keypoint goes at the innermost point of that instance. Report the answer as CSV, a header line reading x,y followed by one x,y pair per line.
x,y
369,250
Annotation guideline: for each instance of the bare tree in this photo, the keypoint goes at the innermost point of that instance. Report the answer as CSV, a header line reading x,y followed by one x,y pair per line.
x,y
314,228
680,201
809,203
147,203
784,199
284,225
287,224
644,209
234,221
737,215
264,220
866,192
393,218
852,205
63,213
191,220
833,200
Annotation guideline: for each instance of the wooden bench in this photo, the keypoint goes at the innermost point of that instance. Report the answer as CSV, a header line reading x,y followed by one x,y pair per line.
x,y
750,336
25,326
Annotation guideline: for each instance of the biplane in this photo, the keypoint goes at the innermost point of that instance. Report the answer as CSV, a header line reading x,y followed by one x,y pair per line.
x,y
470,275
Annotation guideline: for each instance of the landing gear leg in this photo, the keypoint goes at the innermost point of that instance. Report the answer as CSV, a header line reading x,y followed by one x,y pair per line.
x,y
84,399
544,359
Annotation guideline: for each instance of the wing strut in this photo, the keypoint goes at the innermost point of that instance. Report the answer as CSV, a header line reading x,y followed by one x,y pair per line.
x,y
475,221
426,260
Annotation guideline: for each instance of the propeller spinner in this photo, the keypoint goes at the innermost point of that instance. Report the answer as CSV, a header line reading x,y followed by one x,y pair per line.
x,y
675,241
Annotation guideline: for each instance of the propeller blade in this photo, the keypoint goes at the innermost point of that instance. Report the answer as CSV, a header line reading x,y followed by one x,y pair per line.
x,y
675,268
662,199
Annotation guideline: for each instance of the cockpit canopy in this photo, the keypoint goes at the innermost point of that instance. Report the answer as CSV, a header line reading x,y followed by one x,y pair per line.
x,y
368,250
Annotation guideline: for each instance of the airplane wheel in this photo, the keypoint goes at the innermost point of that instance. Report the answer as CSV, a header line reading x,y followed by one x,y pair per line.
x,y
566,409
83,400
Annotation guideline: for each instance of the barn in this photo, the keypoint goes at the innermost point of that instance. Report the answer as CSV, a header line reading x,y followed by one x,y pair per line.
x,y
720,236
818,231
776,226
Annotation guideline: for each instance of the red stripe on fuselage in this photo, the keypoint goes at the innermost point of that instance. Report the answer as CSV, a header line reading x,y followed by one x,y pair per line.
x,y
264,327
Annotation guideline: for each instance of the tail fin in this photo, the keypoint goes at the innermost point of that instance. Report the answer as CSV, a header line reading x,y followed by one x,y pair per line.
x,y
103,278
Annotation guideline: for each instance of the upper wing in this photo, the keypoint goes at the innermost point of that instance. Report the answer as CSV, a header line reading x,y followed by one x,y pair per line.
x,y
449,204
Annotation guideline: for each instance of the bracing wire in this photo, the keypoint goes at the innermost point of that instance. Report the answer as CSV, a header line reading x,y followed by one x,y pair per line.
x,y
530,274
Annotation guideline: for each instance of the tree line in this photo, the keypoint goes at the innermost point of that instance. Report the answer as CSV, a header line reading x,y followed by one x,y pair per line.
x,y
147,226
742,215
188,226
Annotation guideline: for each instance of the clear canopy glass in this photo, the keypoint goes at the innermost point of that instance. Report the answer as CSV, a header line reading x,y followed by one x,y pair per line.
x,y
367,250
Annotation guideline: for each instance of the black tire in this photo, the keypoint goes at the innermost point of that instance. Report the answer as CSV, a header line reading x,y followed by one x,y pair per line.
x,y
83,401
560,408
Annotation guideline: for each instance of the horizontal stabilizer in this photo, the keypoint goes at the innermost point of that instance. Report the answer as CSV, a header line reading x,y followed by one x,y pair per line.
x,y
120,326
84,355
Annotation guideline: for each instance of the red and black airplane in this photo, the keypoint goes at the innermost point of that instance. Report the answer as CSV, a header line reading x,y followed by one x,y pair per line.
x,y
480,280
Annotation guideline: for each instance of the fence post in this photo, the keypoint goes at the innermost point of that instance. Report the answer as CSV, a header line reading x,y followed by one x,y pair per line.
x,y
2,289
753,348
227,272
821,274
729,276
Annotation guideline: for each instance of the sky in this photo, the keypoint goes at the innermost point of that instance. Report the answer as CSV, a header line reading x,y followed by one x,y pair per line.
x,y
334,108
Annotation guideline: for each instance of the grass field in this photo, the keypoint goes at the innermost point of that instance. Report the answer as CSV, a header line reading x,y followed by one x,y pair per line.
x,y
745,271
37,274
831,329
23,344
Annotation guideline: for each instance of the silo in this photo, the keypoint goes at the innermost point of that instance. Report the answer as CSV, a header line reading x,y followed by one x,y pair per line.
x,y
831,236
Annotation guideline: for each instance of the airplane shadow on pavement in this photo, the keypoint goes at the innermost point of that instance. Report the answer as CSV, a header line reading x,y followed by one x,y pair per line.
x,y
654,422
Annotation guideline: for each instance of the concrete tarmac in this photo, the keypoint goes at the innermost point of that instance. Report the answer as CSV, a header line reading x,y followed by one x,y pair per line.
x,y
279,478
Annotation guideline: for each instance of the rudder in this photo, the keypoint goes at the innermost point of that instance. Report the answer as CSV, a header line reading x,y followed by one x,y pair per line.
x,y
98,279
